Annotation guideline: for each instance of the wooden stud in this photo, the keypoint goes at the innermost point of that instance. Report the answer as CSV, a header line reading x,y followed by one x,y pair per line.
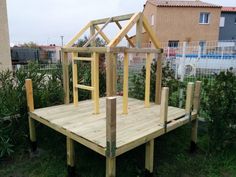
x,y
102,34
139,28
96,82
78,35
111,126
85,87
147,80
114,64
93,44
75,81
189,99
126,36
30,105
158,79
164,106
197,93
65,65
150,32
124,30
125,83
110,167
149,156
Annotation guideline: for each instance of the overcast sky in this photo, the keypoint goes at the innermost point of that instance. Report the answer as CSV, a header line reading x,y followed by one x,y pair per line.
x,y
45,21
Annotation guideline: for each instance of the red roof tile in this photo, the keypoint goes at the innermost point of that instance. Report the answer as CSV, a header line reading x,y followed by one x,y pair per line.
x,y
228,9
176,3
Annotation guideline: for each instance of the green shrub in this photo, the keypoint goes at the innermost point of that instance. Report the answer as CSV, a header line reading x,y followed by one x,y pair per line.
x,y
220,106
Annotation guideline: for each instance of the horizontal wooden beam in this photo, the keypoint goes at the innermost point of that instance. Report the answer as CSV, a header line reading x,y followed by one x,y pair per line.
x,y
82,58
85,87
116,18
86,49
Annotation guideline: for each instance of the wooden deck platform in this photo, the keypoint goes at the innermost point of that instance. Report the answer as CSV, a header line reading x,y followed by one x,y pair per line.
x,y
137,127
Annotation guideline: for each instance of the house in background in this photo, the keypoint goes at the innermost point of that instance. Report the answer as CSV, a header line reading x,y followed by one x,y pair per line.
x,y
228,23
182,21
49,53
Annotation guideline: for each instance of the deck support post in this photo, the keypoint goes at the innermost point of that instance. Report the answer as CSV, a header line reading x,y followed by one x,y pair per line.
x,y
158,79
70,157
149,158
194,123
110,137
164,107
110,74
30,105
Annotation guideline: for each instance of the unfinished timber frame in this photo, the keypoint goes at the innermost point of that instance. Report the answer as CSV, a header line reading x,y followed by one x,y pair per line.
x,y
114,125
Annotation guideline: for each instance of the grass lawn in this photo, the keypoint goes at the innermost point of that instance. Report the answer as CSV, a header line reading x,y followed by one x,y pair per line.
x,y
172,159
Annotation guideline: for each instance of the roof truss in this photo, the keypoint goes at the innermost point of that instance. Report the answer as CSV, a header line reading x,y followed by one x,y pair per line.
x,y
137,19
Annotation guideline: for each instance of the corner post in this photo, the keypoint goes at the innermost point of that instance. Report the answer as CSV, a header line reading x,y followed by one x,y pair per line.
x,y
110,74
65,65
164,107
194,124
149,158
111,137
30,105
125,83
70,157
158,79
147,80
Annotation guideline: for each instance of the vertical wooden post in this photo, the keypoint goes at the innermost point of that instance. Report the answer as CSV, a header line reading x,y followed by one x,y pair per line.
x,y
164,107
147,80
96,82
109,75
149,158
189,99
139,27
158,79
114,63
70,157
125,83
75,80
194,124
93,44
30,105
110,136
65,64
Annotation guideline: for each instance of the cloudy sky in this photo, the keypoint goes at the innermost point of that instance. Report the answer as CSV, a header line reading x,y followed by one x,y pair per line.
x,y
45,21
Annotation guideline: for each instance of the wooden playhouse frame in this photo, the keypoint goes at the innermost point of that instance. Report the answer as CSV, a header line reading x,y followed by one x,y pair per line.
x,y
114,125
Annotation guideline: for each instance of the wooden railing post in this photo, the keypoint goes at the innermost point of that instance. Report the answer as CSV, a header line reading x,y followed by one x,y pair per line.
x,y
96,82
75,80
147,80
65,70
110,136
125,83
30,105
110,74
189,99
194,124
158,79
164,107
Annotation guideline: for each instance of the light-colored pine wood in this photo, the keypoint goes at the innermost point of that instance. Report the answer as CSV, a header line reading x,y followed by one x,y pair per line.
x,y
116,18
164,106
65,70
96,82
96,34
158,79
104,36
189,98
149,155
139,29
111,126
93,44
197,94
124,30
109,74
85,49
125,83
114,75
150,32
126,36
147,80
83,58
70,152
110,167
78,35
75,80
85,87
30,105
